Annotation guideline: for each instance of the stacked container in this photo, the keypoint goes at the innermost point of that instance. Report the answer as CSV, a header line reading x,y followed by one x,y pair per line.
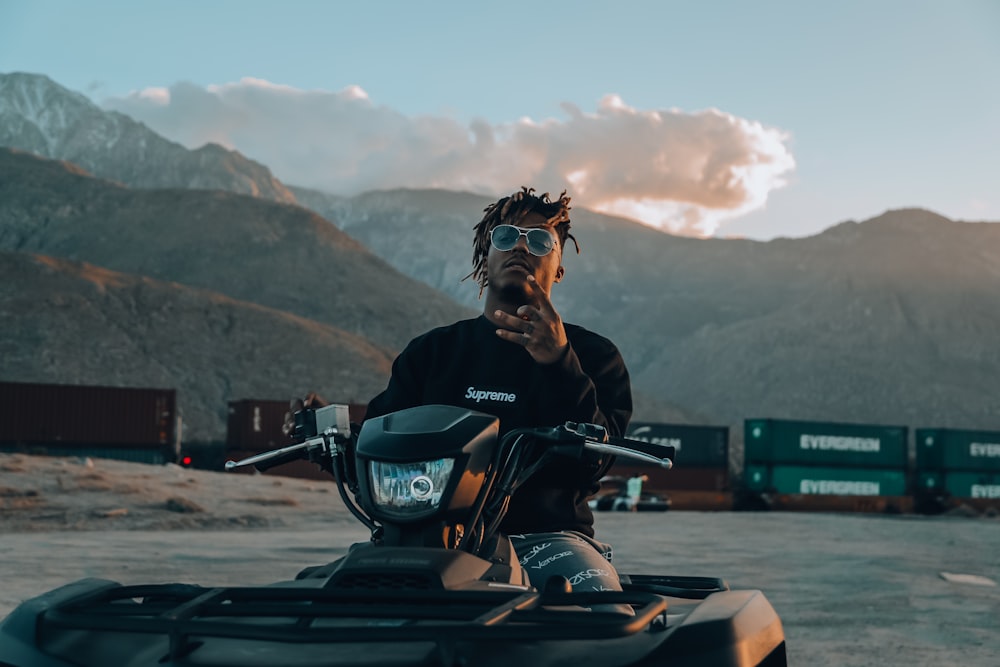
x,y
826,466
699,479
955,466
126,423
255,426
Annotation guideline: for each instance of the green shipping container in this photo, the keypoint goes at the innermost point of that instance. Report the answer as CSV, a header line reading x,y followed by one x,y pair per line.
x,y
776,441
978,486
824,481
756,477
697,446
931,482
945,449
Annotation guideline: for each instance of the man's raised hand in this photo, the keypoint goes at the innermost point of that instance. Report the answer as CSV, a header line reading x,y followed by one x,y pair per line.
x,y
538,328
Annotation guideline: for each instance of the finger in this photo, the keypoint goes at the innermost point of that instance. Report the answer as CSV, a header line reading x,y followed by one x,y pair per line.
x,y
529,313
518,338
314,400
513,322
544,302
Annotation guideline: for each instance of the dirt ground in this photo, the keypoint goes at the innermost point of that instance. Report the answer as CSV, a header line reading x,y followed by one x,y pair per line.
x,y
860,590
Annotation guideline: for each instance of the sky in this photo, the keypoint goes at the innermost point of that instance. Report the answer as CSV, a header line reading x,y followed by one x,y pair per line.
x,y
706,118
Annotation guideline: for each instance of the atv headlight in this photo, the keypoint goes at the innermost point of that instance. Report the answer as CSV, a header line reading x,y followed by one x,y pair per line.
x,y
409,489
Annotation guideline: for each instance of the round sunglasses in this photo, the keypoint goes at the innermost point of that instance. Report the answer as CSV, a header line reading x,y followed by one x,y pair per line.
x,y
540,241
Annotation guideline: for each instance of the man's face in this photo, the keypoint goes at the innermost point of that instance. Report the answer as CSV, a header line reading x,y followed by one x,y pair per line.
x,y
508,271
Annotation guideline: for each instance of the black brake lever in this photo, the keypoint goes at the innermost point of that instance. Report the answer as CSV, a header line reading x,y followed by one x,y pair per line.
x,y
590,432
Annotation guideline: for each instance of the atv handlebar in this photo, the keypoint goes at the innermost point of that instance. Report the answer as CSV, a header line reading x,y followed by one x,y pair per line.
x,y
277,457
317,428
334,427
664,461
595,438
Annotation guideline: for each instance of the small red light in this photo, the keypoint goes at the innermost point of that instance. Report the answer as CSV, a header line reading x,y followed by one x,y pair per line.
x,y
186,461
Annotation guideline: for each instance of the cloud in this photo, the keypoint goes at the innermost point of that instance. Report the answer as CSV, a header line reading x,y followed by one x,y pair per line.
x,y
684,172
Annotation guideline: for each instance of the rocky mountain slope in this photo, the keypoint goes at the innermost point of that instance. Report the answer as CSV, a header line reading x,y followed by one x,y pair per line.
x,y
276,255
76,323
40,116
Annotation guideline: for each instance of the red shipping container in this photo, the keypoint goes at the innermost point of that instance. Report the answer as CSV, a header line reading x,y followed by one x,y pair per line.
x,y
254,425
39,414
675,479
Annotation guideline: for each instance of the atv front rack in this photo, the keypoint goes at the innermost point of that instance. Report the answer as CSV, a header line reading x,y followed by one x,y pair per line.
x,y
96,623
186,615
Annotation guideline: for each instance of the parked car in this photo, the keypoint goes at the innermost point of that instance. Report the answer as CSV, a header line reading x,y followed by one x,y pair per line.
x,y
613,498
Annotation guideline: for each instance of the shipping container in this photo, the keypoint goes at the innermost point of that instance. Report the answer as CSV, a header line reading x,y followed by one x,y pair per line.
x,y
699,480
699,446
674,479
700,501
824,489
944,449
128,423
695,488
961,484
825,481
255,425
853,504
756,477
81,414
775,441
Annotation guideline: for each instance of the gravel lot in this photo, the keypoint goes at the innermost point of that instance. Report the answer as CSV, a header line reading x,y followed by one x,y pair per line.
x,y
850,589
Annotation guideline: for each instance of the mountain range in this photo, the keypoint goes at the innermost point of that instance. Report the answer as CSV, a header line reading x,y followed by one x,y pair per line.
x,y
890,320
42,117
883,321
77,323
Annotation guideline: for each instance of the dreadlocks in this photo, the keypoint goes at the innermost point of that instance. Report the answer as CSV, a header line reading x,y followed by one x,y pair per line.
x,y
511,210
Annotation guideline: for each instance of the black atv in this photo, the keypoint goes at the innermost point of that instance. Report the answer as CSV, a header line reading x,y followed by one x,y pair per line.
x,y
436,585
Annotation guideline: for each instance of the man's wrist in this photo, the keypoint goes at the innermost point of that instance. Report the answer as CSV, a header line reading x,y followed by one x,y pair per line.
x,y
560,356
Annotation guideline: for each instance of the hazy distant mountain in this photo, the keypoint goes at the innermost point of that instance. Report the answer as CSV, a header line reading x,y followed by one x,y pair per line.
x,y
277,255
891,320
425,233
76,323
42,117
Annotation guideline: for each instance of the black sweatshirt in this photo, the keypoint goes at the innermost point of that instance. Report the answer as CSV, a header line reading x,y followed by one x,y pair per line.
x,y
467,365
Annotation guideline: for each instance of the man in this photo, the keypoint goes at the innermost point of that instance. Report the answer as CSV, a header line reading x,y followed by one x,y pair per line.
x,y
520,362
634,491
